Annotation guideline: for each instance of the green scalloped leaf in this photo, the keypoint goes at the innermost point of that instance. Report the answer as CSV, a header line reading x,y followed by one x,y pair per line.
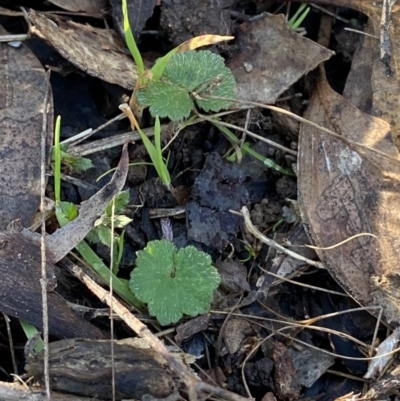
x,y
166,99
174,282
191,74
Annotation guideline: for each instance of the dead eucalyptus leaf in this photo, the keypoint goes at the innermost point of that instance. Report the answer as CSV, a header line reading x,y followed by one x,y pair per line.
x,y
346,190
271,58
82,6
98,52
385,79
23,83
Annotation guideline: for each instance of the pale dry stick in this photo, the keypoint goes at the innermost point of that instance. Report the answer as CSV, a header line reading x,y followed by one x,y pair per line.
x,y
312,287
43,280
106,143
333,15
333,353
253,230
75,140
252,134
111,298
361,33
304,323
193,384
341,242
14,38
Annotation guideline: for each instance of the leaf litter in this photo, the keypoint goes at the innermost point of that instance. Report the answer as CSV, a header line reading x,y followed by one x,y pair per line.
x,y
381,285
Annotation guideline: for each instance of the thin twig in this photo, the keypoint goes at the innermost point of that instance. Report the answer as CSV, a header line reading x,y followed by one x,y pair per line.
x,y
111,298
253,230
11,343
43,280
252,134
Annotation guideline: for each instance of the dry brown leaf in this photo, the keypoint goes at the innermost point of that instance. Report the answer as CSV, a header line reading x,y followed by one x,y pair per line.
x,y
236,330
82,6
385,78
286,381
93,50
271,58
358,89
346,190
23,83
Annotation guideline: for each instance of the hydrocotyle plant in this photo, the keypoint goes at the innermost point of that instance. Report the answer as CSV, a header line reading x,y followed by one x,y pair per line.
x,y
174,282
180,75
186,79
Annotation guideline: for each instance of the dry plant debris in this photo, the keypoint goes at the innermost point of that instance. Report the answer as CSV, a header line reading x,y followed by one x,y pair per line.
x,y
82,6
283,57
96,51
21,107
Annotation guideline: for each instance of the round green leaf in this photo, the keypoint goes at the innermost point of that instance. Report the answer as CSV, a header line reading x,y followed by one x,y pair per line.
x,y
173,282
166,99
189,75
202,73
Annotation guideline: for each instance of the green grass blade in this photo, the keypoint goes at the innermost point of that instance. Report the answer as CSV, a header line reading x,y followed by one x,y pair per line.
x,y
130,40
159,66
268,162
298,19
31,331
156,154
119,286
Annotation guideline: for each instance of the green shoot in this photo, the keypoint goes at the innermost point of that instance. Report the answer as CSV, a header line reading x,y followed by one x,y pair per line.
x,y
120,286
130,41
299,16
268,162
155,152
101,232
65,211
30,332
159,66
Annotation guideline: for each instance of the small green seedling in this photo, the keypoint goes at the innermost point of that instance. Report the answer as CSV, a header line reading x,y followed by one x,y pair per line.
x,y
246,148
154,151
32,334
299,16
66,212
102,228
71,162
174,282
